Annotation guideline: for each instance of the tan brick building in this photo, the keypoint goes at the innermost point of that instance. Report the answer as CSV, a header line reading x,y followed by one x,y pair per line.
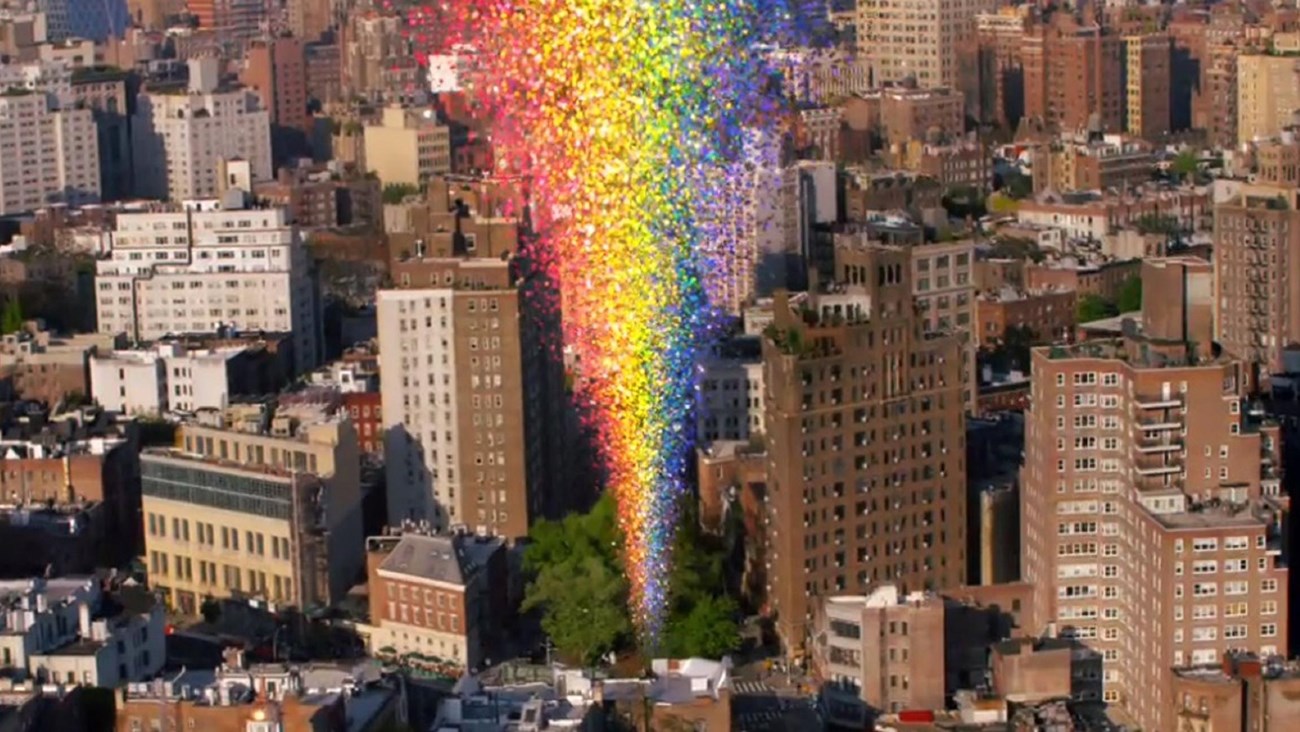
x,y
1268,95
865,442
916,39
1151,499
257,504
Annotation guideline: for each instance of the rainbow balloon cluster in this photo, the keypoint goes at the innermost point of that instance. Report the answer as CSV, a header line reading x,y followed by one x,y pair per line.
x,y
626,117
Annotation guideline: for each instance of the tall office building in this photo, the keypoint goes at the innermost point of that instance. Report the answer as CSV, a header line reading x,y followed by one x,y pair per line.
x,y
866,475
48,148
472,398
180,136
1151,501
1256,236
917,39
203,267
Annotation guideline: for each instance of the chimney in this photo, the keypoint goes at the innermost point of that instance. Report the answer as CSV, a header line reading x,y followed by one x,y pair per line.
x,y
83,619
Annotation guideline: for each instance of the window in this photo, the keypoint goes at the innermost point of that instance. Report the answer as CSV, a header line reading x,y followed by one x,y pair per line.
x,y
1268,630
1205,545
1205,589
1235,543
1268,585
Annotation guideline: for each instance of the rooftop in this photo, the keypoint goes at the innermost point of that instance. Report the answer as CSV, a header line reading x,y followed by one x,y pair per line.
x,y
1238,664
450,559
1214,514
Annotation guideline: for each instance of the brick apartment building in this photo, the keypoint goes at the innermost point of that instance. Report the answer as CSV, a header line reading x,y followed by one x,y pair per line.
x,y
456,333
239,697
900,114
42,366
1113,162
1147,65
865,442
895,651
81,463
1073,72
1256,237
1186,563
994,75
1100,278
1242,692
1050,314
438,596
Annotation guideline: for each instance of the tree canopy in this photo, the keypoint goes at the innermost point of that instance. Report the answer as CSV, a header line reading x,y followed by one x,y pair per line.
x,y
1184,164
1129,297
395,193
11,316
1094,307
581,588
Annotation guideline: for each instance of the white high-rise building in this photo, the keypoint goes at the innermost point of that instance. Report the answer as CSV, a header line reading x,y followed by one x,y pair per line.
x,y
180,137
203,266
48,151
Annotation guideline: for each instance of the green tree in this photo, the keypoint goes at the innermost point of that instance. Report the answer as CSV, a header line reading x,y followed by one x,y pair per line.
x,y
1130,295
707,630
1184,164
1094,307
578,582
11,316
702,618
584,603
580,585
395,193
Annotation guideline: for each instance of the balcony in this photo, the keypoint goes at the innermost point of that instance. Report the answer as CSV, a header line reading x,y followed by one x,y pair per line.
x,y
1160,402
1159,425
1156,470
1157,443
